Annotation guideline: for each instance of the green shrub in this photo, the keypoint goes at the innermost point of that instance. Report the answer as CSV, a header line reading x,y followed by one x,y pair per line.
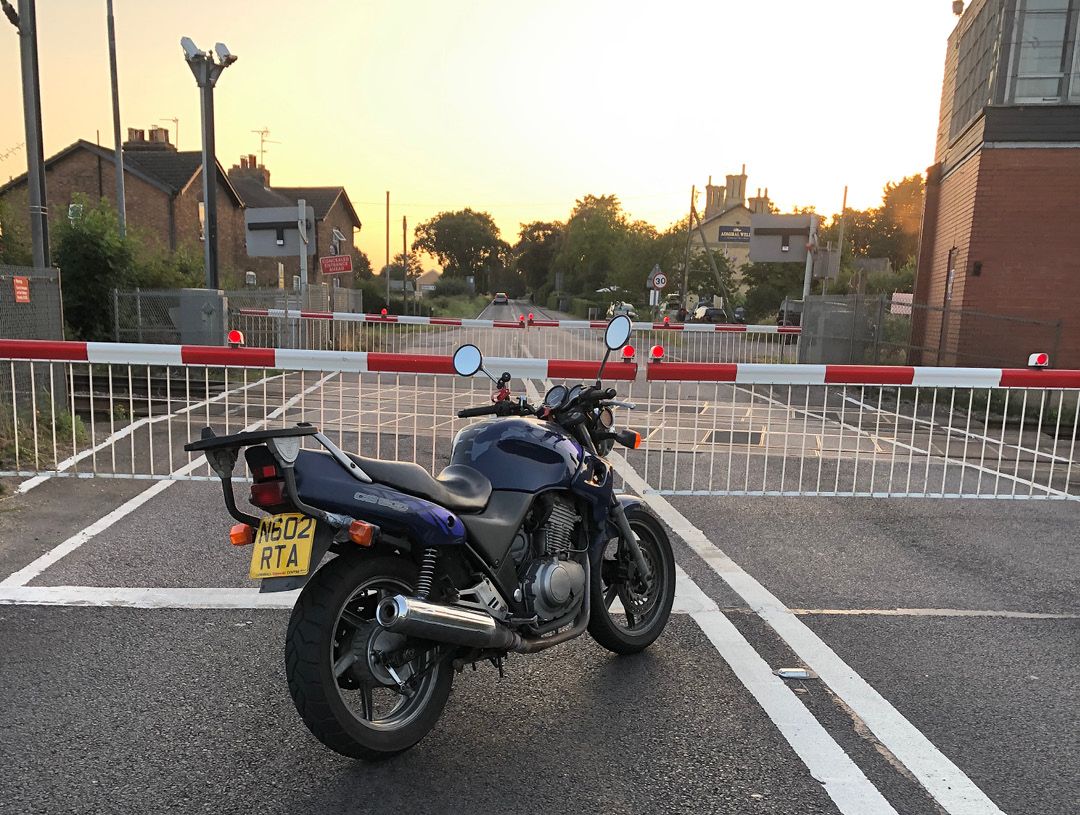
x,y
451,287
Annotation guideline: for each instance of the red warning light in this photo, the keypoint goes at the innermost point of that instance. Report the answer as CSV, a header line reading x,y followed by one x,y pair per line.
x,y
628,352
657,352
383,312
236,338
1040,360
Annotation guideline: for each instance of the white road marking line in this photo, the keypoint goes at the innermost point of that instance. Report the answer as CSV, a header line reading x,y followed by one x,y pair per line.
x,y
36,567
933,612
124,432
948,784
689,599
33,569
843,781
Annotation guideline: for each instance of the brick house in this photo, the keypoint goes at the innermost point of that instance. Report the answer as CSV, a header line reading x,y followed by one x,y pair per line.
x,y
726,220
999,224
162,187
333,212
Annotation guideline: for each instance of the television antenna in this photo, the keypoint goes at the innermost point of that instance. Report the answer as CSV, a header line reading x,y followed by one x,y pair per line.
x,y
11,150
263,141
176,129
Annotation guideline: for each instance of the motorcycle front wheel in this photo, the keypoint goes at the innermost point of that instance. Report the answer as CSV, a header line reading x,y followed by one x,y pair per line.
x,y
644,600
362,691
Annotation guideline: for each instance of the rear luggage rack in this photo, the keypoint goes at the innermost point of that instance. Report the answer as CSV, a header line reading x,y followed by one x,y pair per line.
x,y
221,452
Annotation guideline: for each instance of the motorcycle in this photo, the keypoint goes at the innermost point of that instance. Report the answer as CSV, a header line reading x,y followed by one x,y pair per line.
x,y
520,544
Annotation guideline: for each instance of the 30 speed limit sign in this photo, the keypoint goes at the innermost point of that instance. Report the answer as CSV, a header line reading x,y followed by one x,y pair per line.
x,y
659,280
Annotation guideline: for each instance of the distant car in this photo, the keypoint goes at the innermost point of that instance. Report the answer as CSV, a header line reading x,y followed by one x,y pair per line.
x,y
792,315
739,315
617,308
500,299
710,314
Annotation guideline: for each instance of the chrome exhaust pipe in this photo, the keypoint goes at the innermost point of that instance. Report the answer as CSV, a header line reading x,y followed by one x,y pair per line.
x,y
444,623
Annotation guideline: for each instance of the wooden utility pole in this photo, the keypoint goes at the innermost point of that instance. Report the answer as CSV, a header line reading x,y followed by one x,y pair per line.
x,y
686,259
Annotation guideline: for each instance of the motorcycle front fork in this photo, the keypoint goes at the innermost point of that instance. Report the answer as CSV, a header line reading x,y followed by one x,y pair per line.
x,y
628,536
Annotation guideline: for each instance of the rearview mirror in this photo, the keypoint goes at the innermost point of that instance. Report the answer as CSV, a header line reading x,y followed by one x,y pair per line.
x,y
468,360
618,332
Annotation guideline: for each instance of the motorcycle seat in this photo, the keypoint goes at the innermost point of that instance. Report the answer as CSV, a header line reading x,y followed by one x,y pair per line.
x,y
458,487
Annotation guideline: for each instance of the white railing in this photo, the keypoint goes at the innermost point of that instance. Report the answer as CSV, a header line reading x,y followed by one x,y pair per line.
x,y
126,410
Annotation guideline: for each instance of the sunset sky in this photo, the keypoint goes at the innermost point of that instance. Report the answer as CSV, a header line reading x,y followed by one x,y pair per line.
x,y
511,107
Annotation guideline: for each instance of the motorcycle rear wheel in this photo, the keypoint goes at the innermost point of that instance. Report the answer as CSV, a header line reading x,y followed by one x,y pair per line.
x,y
645,612
336,657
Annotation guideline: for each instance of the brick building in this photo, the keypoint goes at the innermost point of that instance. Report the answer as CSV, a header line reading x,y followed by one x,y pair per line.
x,y
1002,198
726,220
333,212
162,187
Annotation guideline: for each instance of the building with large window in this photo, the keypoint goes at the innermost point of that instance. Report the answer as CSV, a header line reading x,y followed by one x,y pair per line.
x,y
999,234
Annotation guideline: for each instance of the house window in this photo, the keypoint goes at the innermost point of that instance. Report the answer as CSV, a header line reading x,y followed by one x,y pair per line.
x,y
202,221
1044,55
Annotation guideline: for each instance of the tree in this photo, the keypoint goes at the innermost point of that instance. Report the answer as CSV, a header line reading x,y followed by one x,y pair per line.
x,y
414,268
767,284
890,230
94,260
534,253
361,265
465,243
589,251
14,250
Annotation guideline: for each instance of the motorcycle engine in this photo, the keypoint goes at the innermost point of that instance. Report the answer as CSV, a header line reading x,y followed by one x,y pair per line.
x,y
552,582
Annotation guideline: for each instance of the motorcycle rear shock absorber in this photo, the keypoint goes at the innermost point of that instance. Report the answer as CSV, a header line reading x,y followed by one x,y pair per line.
x,y
427,572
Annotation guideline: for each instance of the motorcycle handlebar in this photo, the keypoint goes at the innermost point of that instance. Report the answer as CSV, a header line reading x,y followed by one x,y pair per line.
x,y
486,410
504,407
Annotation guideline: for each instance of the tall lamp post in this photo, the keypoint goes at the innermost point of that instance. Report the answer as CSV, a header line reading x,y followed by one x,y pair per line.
x,y
207,70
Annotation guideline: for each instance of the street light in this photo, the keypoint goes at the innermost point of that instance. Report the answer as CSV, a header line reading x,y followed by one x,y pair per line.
x,y
207,70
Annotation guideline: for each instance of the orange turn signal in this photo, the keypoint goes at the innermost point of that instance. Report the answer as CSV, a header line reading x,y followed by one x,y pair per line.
x,y
637,440
241,535
362,533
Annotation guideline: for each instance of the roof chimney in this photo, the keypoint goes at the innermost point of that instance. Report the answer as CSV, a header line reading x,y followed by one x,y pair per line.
x,y
250,168
158,141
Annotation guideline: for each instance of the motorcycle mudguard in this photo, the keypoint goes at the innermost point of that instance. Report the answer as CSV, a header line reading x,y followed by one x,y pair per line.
x,y
629,501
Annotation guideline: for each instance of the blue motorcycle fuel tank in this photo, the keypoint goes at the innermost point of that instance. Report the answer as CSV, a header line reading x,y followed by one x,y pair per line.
x,y
524,455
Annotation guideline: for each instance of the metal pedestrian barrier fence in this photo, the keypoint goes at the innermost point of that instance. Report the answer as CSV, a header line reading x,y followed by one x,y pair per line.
x,y
528,335
74,409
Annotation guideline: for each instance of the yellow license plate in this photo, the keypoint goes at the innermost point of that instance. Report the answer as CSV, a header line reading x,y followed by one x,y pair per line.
x,y
282,546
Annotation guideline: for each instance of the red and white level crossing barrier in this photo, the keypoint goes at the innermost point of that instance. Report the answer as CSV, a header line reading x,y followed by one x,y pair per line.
x,y
123,353
886,375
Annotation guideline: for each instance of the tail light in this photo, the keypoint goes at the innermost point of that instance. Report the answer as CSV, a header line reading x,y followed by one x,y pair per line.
x,y
268,494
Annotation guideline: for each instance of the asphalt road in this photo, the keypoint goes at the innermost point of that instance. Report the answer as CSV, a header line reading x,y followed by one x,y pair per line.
x,y
963,615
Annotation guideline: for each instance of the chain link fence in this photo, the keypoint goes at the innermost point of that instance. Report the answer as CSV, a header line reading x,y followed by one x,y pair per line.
x,y
891,330
30,304
166,315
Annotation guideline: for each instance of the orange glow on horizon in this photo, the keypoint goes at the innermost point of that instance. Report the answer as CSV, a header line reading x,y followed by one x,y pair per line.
x,y
515,109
